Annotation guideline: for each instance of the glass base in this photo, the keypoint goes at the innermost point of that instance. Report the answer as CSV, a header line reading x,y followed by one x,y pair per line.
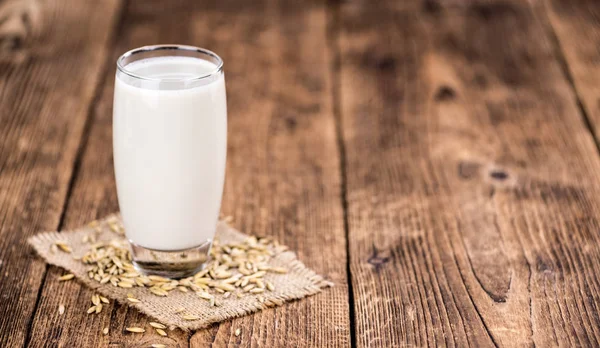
x,y
170,264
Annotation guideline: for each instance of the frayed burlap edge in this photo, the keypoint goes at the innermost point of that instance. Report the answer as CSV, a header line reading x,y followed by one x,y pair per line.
x,y
299,282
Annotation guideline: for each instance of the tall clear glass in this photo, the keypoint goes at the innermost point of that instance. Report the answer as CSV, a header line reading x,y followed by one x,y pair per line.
x,y
170,144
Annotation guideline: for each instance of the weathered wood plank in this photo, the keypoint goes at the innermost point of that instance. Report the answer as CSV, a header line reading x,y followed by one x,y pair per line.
x,y
280,181
283,176
472,180
93,196
48,75
576,25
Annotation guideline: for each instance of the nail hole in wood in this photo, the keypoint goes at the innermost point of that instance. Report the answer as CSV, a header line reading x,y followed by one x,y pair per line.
x,y
445,93
377,260
431,6
386,64
291,123
499,175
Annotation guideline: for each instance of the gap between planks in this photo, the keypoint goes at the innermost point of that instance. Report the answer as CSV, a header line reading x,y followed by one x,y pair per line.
x,y
333,32
541,10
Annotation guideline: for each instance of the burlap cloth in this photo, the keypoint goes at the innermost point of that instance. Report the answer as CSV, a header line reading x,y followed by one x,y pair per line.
x,y
297,283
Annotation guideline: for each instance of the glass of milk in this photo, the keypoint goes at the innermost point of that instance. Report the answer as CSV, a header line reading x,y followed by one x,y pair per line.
x,y
170,145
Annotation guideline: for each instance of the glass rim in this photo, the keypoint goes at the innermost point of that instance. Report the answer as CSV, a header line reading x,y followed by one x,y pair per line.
x,y
151,48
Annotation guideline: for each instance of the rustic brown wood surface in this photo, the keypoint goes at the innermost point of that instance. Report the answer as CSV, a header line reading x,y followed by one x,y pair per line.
x,y
271,154
576,25
283,173
48,75
475,223
435,159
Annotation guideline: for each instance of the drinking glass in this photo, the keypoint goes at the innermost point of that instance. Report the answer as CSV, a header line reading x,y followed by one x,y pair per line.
x,y
169,145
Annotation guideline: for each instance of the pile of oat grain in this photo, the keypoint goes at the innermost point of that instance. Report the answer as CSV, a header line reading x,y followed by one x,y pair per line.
x,y
234,268
245,274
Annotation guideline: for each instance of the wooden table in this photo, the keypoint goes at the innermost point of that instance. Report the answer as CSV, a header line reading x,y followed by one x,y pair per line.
x,y
437,160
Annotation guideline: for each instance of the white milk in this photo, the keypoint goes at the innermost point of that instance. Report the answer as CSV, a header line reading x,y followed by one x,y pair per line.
x,y
170,142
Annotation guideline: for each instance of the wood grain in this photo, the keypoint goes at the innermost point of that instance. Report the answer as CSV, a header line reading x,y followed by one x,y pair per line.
x,y
576,25
472,181
93,196
282,175
48,75
468,172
